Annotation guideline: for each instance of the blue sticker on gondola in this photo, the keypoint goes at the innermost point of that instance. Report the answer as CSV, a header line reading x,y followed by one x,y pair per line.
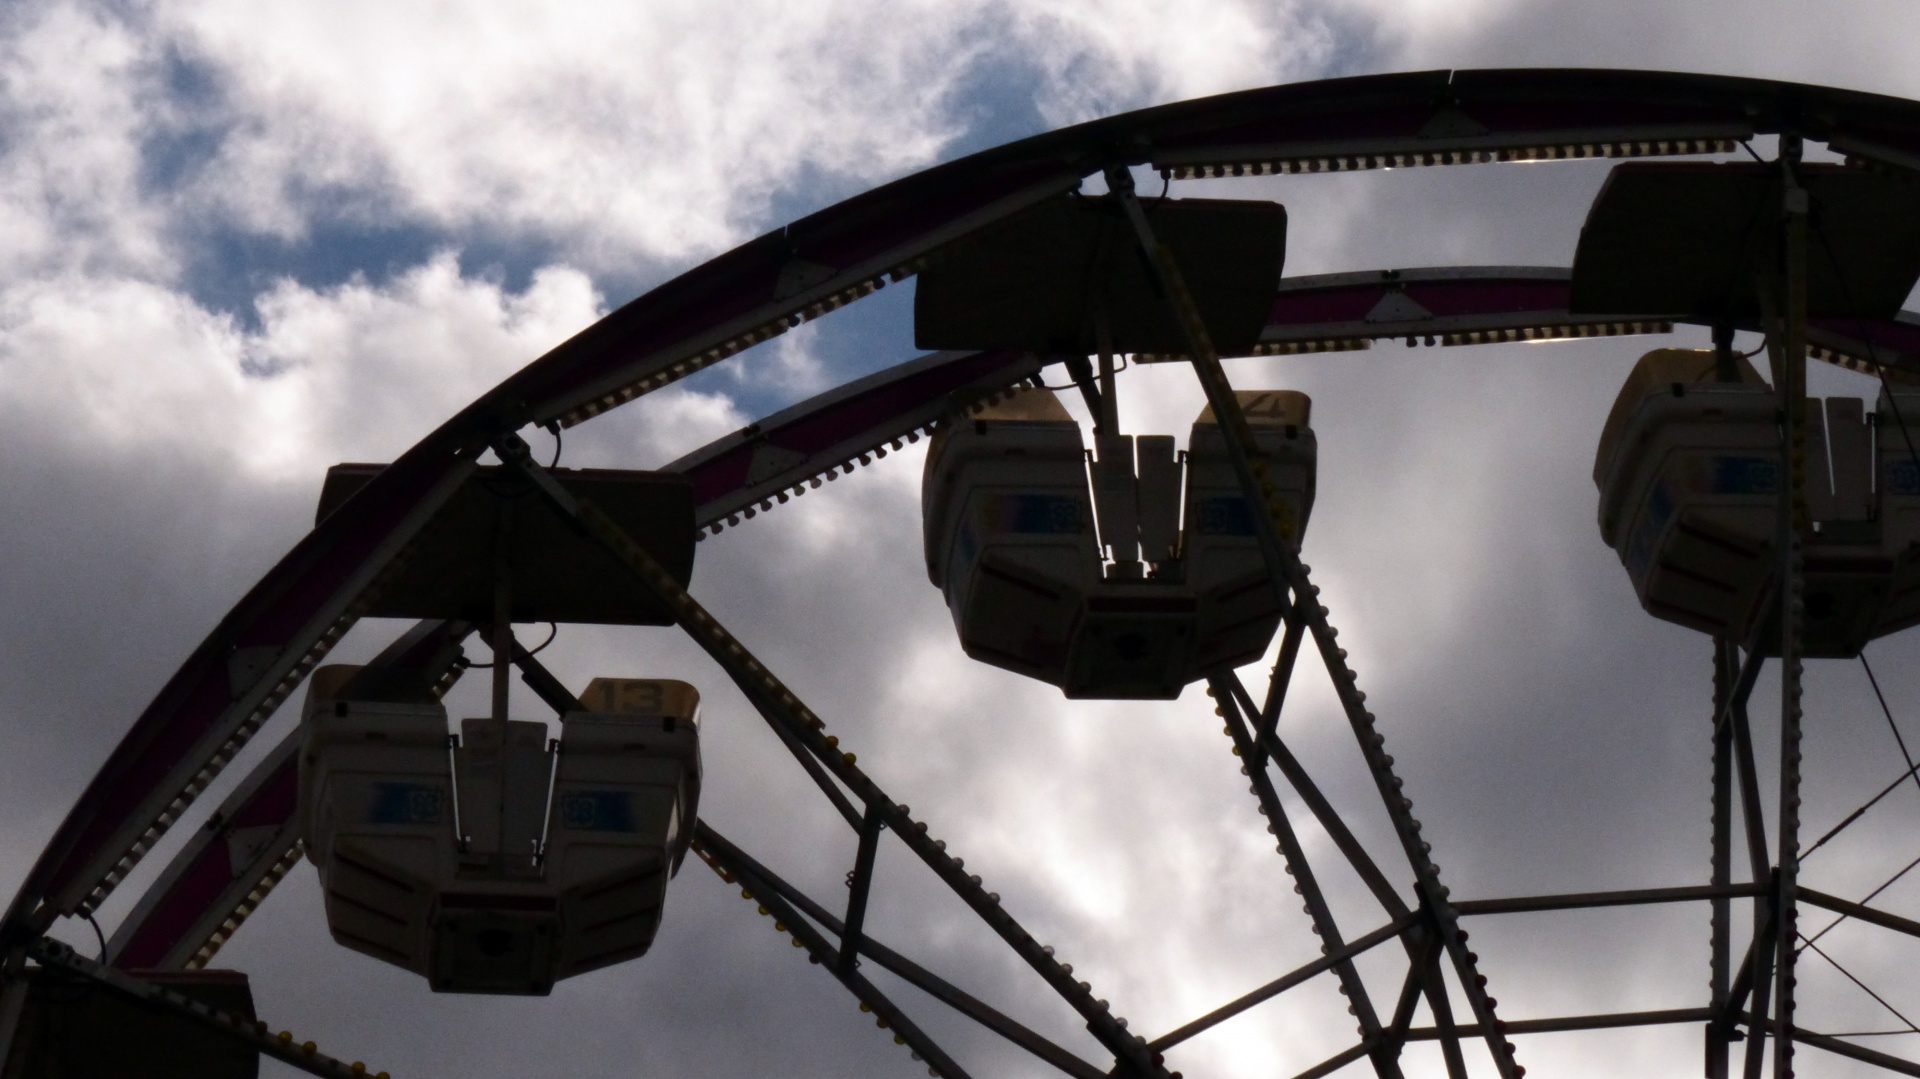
x,y
407,803
1031,514
597,811
1745,476
1903,478
1228,515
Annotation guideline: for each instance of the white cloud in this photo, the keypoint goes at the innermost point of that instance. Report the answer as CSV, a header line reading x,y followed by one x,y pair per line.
x,y
611,133
789,366
122,367
605,127
1097,60
76,101
1850,43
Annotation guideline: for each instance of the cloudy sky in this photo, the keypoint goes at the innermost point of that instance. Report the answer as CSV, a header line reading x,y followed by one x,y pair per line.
x,y
242,242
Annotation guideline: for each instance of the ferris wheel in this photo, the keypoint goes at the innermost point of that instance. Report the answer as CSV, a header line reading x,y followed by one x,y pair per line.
x,y
487,857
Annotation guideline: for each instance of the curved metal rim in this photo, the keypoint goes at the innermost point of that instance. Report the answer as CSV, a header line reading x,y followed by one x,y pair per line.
x,y
261,650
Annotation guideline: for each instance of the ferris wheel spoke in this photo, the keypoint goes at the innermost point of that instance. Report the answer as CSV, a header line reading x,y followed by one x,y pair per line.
x,y
859,888
1441,915
1782,293
736,866
1411,989
1861,1053
1274,749
1279,680
1758,972
1235,701
1726,666
1423,971
1306,885
887,1015
1299,975
1334,1063
1286,572
1730,720
1433,986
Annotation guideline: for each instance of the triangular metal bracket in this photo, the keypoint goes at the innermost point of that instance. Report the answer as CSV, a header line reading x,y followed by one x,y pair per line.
x,y
770,460
1397,306
1451,123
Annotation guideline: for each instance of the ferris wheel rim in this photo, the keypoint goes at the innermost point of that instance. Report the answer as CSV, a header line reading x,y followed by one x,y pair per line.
x,y
1038,165
610,363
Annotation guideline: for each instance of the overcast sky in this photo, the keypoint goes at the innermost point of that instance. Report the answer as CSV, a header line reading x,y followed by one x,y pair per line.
x,y
241,242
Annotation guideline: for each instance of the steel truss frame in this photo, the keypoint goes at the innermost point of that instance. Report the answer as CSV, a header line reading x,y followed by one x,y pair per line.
x,y
841,781
1254,731
259,654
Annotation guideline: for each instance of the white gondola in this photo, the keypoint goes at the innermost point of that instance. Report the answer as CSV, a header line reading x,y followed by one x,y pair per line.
x,y
1689,475
494,868
377,816
1238,606
1689,472
1009,531
625,796
1010,538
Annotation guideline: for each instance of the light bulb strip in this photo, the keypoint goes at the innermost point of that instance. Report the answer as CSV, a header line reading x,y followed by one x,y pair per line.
x,y
1283,164
230,747
233,919
808,475
869,276
763,332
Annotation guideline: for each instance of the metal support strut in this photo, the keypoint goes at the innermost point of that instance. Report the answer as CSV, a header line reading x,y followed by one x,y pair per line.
x,y
1385,1056
1288,573
887,1015
735,866
1418,943
1726,668
859,883
1783,300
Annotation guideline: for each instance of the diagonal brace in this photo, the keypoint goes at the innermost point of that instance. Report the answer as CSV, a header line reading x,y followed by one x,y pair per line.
x,y
1385,1057
821,951
1285,571
858,883
729,860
